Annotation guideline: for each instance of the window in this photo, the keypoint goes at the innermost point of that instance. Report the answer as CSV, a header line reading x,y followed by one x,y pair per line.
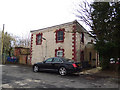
x,y
59,53
82,37
39,39
60,35
57,60
49,60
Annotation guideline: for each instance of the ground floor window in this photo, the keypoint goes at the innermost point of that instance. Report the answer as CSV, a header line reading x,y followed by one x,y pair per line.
x,y
59,52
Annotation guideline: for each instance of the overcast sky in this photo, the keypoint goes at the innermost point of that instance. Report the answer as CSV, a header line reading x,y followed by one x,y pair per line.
x,y
21,16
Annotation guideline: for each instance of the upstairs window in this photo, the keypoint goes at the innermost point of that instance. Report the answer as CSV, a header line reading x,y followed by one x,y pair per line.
x,y
39,39
82,37
60,35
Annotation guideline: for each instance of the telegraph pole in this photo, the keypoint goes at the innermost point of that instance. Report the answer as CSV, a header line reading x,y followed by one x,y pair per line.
x,y
2,44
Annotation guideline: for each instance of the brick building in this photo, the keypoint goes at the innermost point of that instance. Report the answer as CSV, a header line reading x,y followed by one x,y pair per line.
x,y
22,54
70,40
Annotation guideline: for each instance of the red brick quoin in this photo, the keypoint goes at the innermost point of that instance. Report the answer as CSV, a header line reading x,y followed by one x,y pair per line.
x,y
31,48
74,43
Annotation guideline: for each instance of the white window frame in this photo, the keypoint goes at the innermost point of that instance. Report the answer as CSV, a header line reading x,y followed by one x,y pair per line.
x,y
60,51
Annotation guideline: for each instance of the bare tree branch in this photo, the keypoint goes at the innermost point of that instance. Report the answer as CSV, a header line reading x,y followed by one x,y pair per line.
x,y
84,13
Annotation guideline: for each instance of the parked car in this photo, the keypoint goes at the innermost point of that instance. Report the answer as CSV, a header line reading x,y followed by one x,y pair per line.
x,y
118,61
115,61
112,60
61,65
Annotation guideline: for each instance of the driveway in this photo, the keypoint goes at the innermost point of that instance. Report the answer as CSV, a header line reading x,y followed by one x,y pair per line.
x,y
21,76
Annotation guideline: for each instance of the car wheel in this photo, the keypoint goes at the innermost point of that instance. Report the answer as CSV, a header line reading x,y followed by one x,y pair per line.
x,y
62,71
35,68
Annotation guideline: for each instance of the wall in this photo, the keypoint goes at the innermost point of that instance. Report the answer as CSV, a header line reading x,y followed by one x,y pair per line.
x,y
23,59
90,48
80,46
39,51
22,54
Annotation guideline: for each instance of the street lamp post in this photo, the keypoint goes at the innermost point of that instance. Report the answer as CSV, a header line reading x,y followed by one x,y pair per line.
x,y
46,47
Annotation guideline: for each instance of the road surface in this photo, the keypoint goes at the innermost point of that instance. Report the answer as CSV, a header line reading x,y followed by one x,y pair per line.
x,y
21,76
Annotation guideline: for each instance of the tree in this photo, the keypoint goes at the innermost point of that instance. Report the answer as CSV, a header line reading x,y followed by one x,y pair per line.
x,y
22,42
7,44
104,20
106,28
84,13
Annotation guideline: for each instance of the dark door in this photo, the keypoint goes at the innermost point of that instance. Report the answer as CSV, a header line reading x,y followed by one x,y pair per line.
x,y
82,56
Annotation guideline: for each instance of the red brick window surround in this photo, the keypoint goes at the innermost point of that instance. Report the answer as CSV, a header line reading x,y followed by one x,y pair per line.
x,y
59,52
39,39
60,35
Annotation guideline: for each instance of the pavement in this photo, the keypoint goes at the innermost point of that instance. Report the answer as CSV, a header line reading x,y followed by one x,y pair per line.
x,y
99,72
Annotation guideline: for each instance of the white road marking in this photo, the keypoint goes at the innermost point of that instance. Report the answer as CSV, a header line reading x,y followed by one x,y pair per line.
x,y
6,86
2,65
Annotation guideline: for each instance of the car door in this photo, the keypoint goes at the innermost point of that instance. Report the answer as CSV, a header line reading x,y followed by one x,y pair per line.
x,y
47,65
57,62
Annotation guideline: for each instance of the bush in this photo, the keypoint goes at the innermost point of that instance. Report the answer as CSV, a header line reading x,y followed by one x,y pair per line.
x,y
104,63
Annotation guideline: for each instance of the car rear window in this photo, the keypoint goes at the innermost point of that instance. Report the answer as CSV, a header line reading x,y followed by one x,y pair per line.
x,y
67,60
70,60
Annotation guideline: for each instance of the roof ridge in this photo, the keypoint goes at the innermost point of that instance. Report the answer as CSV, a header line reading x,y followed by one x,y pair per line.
x,y
55,25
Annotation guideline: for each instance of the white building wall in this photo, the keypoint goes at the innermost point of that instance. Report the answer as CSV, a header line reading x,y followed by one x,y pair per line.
x,y
39,51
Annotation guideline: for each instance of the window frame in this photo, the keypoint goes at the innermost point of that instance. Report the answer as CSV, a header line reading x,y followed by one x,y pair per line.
x,y
60,35
37,39
59,49
60,41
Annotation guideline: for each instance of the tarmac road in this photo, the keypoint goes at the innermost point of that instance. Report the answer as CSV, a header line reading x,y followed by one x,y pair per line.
x,y
21,76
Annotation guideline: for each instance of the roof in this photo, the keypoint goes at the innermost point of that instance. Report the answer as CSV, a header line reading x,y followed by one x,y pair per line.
x,y
22,47
73,22
55,26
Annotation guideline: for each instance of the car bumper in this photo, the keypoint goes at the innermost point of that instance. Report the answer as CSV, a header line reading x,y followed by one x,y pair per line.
x,y
74,70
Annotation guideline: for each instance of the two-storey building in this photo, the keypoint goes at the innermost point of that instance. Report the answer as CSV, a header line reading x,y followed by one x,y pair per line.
x,y
70,40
